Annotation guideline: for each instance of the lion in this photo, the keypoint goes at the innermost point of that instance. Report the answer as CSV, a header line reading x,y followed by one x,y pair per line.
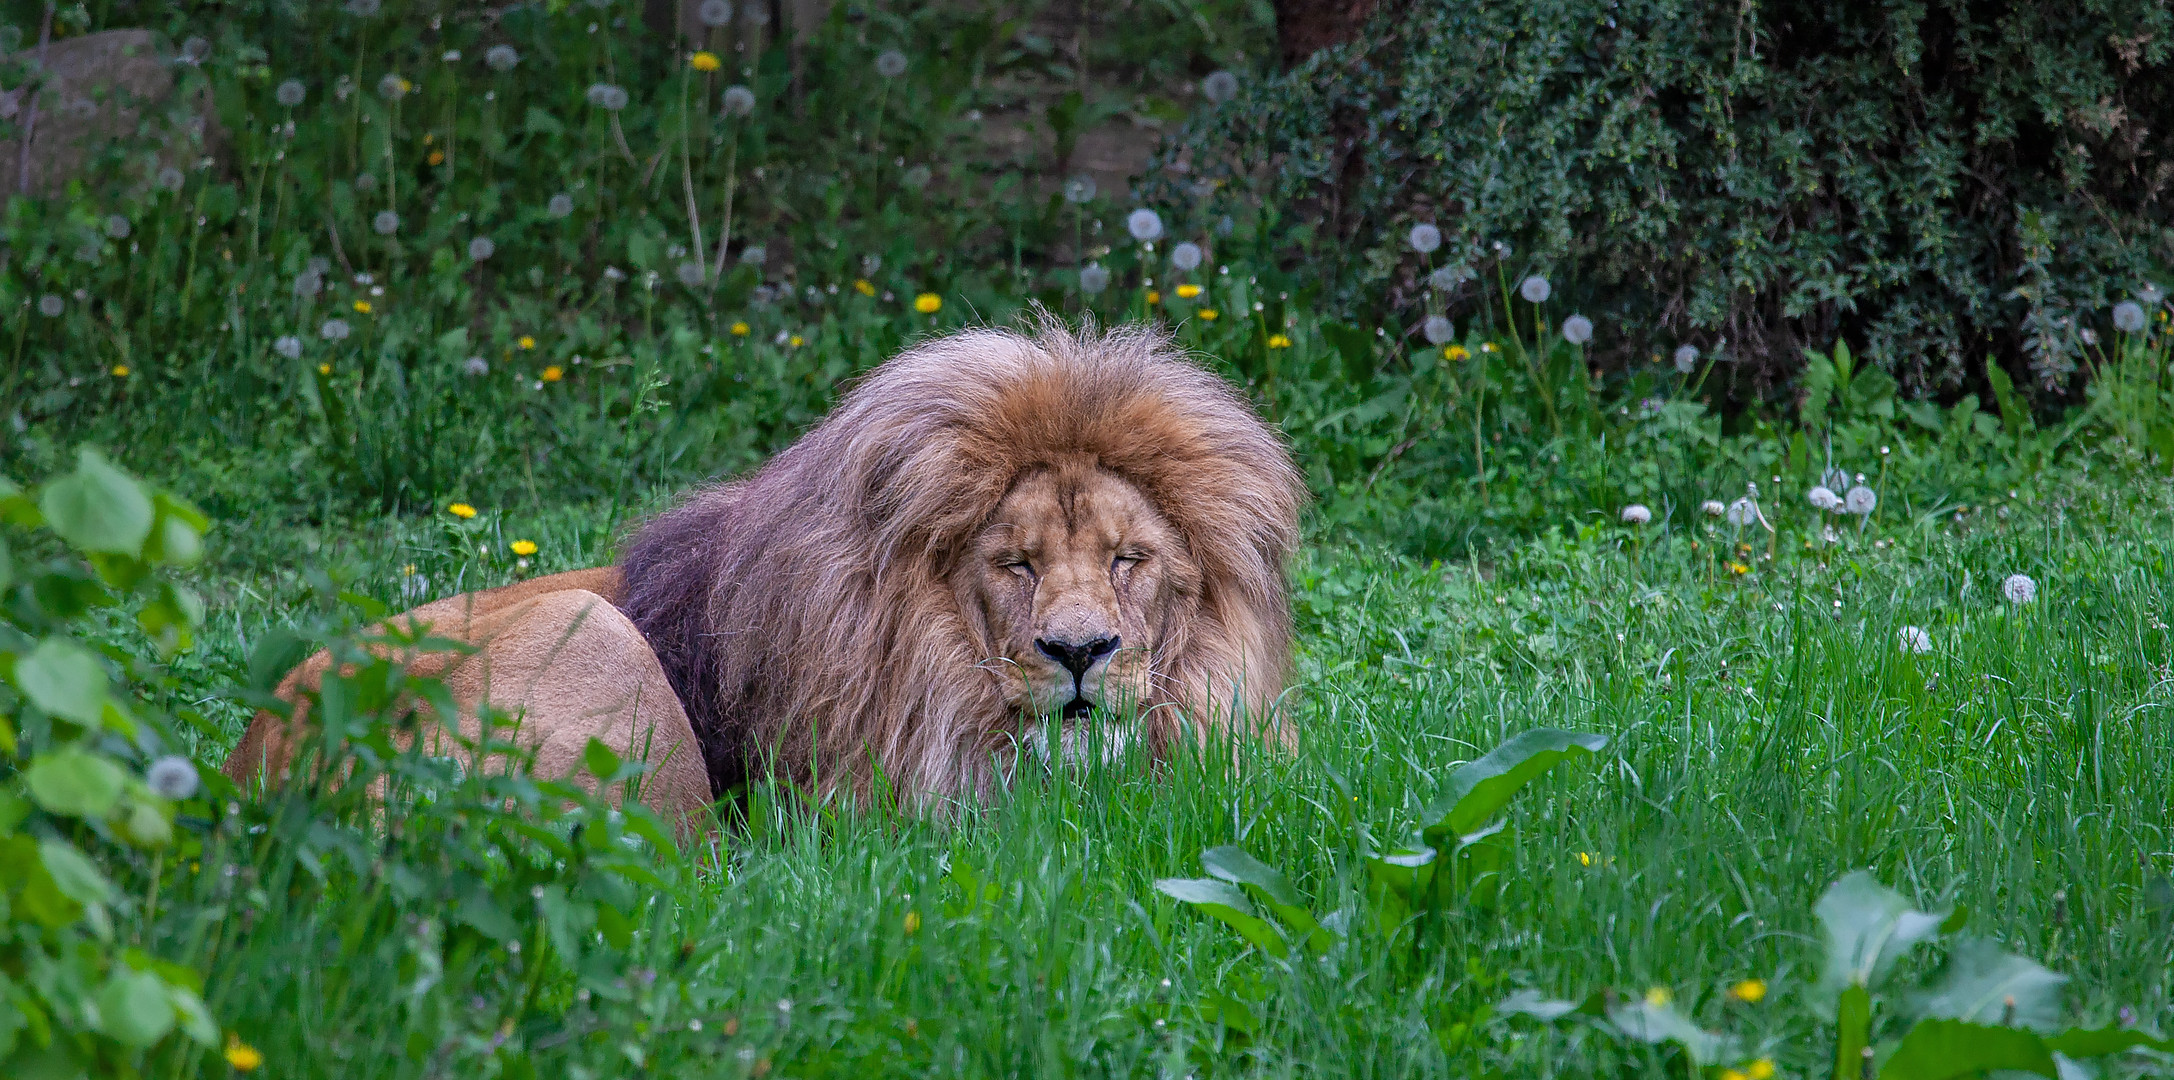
x,y
1061,542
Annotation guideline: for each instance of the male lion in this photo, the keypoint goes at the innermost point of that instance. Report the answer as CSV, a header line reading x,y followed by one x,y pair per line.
x,y
992,537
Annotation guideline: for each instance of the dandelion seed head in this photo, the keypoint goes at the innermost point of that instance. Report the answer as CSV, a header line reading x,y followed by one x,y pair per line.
x,y
1079,188
1860,500
51,305
890,63
2129,317
308,283
171,178
385,223
172,777
1824,498
916,177
290,93
1637,514
1093,279
288,346
194,50
1219,87
333,330
739,100
392,86
1186,256
1438,329
476,366
1743,512
2150,294
501,58
1144,224
560,205
1914,639
365,183
607,97
1424,238
714,12
1577,330
481,248
754,255
690,273
1712,508
118,227
1686,358
2019,589
1443,279
1535,289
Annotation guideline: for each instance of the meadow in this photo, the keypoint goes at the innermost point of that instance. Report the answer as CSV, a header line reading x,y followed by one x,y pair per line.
x,y
1957,681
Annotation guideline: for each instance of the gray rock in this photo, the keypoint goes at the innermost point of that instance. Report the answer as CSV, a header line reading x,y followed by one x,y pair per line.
x,y
98,92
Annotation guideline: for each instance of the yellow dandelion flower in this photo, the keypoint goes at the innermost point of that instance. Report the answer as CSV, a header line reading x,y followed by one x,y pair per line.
x,y
437,157
324,369
1762,1069
1279,341
1585,858
739,329
795,341
1750,990
523,548
120,371
705,61
1188,290
242,1056
408,570
1732,1074
553,373
406,86
1738,568
913,922
1659,996
864,287
362,307
1456,352
526,342
1154,297
1209,314
462,511
928,303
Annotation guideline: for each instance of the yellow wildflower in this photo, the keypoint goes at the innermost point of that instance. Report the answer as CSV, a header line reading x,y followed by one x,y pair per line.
x,y
1659,996
526,342
406,86
1738,568
795,341
739,329
928,303
1750,990
1208,314
864,287
1188,290
1154,297
553,373
913,922
1732,1074
362,307
1762,1069
120,371
461,510
523,548
1488,347
437,157
1279,341
1456,352
242,1056
705,61
324,369
1585,858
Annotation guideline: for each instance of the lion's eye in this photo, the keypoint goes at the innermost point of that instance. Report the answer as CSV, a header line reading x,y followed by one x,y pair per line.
x,y
1020,567
1126,559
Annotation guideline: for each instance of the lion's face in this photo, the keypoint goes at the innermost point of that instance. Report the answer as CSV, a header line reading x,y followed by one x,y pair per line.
x,y
1072,584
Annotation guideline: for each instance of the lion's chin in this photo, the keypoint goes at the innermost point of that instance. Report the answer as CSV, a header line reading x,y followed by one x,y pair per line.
x,y
1080,743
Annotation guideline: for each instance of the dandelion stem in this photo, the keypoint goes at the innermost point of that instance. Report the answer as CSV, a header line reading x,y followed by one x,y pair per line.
x,y
686,171
724,235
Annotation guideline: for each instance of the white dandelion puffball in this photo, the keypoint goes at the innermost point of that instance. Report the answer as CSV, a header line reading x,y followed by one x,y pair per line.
x,y
290,93
1637,514
1442,279
2019,589
1712,508
118,227
385,223
51,304
1535,289
1914,639
171,178
2150,294
307,283
714,12
560,205
690,273
1577,330
1219,87
754,255
476,366
365,183
194,50
739,100
364,8
607,97
1093,279
392,86
288,346
171,777
1186,256
333,330
1079,189
1438,329
890,63
1424,238
501,58
1743,512
1144,224
1824,498
1686,358
481,248
755,15
916,177
1860,500
2128,316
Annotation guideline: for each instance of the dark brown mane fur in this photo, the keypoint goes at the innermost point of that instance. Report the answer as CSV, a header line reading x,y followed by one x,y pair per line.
x,y
805,611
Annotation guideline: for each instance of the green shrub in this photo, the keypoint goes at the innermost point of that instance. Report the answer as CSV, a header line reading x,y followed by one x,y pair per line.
x,y
1934,180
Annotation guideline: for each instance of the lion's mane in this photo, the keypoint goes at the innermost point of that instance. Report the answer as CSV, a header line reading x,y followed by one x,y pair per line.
x,y
803,613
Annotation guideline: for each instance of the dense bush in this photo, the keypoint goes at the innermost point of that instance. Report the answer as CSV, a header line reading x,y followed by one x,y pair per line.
x,y
1936,180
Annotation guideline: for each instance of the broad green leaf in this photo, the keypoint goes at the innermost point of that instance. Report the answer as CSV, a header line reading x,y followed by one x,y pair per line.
x,y
1228,903
196,1021
135,1009
98,508
2098,1042
1659,1023
64,679
1229,1011
74,783
1480,789
1984,984
1852,1031
1867,927
1232,864
73,873
1941,1049
601,761
479,910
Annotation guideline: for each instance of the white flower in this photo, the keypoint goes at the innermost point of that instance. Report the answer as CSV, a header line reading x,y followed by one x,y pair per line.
x,y
690,273
334,330
1636,514
1535,289
290,93
385,223
1442,279
1712,508
1186,256
392,86
1824,498
1093,279
1686,358
51,304
481,248
288,346
1425,238
171,178
890,63
1219,87
501,58
739,100
2128,316
607,97
755,255
1914,639
714,12
1743,512
476,365
1145,225
172,777
2019,589
560,205
1577,330
1438,329
1860,500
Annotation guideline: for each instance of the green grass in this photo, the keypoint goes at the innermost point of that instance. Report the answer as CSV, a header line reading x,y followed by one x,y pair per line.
x,y
1768,736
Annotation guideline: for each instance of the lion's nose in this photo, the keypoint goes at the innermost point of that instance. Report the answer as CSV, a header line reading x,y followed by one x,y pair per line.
x,y
1077,658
